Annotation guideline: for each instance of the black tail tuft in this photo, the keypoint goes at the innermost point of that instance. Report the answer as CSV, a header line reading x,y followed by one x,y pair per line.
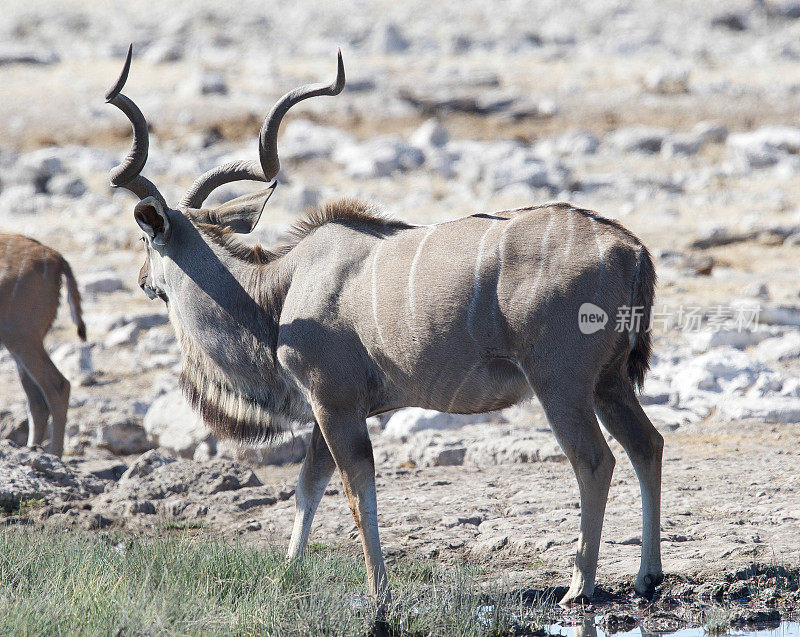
x,y
74,298
644,286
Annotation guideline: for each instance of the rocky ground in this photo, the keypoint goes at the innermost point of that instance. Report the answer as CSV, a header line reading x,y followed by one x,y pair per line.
x,y
679,119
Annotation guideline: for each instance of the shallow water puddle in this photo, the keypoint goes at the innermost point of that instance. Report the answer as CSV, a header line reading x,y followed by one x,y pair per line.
x,y
589,629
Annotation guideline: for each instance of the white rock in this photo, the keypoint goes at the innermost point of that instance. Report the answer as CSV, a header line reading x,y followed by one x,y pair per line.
x,y
74,360
379,157
388,38
765,146
39,166
681,144
123,437
303,139
144,320
766,384
441,160
157,342
529,172
757,291
170,50
706,340
779,348
577,143
125,335
669,418
22,54
205,451
691,378
655,392
710,132
784,138
424,451
720,370
772,409
170,423
430,135
638,139
298,198
22,199
514,448
791,387
102,282
667,81
780,315
67,185
205,83
405,422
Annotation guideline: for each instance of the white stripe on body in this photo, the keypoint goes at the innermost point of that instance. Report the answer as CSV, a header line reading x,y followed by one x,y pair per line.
x,y
412,308
375,292
601,256
461,385
571,238
542,261
476,283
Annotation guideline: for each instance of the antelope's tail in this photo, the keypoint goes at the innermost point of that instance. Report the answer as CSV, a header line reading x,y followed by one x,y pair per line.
x,y
74,298
644,284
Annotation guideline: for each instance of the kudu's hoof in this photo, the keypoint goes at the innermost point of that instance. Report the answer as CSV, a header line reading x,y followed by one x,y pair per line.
x,y
646,587
569,600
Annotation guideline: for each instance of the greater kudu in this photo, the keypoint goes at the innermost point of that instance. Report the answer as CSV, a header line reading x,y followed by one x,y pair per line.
x,y
30,284
360,314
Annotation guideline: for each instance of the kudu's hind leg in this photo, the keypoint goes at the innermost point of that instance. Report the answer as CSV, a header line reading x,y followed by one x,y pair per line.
x,y
624,418
53,385
38,412
571,416
318,467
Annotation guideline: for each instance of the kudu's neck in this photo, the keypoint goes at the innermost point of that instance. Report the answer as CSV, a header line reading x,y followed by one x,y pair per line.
x,y
226,318
222,290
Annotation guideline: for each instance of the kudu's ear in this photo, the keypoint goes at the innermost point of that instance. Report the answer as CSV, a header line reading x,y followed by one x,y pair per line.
x,y
242,214
152,218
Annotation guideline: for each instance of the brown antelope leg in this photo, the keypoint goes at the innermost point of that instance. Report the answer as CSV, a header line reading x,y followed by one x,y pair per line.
x,y
315,474
52,384
571,417
348,441
38,413
624,418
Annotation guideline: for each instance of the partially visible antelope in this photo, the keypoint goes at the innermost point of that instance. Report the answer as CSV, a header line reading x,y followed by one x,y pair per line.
x,y
30,285
358,314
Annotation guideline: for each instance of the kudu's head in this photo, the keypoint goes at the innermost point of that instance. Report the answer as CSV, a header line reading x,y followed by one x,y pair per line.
x,y
168,231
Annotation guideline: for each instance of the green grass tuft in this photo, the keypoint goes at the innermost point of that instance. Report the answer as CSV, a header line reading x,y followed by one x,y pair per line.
x,y
20,507
717,620
57,583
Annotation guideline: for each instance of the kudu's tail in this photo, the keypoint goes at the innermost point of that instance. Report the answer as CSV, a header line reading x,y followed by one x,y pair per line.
x,y
74,298
644,284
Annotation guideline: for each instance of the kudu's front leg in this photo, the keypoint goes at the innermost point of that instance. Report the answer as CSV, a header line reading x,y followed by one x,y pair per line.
x,y
348,440
317,470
